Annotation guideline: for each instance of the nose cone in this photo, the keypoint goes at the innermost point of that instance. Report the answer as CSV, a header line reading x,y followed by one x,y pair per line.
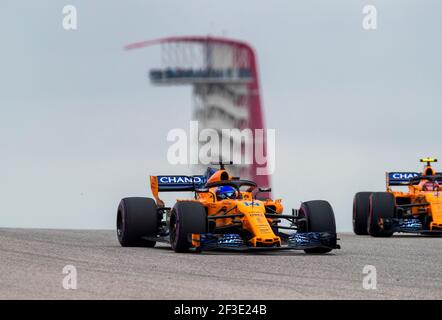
x,y
257,224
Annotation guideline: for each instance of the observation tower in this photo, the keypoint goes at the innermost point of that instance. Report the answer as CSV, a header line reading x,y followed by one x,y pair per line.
x,y
225,84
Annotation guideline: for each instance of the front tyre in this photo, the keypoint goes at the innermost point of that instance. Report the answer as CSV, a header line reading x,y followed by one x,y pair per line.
x,y
186,218
382,206
320,218
137,218
361,210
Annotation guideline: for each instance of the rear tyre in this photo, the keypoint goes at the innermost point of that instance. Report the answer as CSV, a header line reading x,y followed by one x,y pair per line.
x,y
382,205
320,218
186,218
361,210
137,218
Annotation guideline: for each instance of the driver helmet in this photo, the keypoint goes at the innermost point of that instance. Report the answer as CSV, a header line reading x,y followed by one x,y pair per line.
x,y
430,186
225,192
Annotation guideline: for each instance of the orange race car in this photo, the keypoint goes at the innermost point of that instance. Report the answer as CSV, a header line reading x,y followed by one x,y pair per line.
x,y
224,213
417,210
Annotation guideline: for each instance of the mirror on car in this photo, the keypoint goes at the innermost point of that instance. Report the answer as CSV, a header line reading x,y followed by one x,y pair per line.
x,y
201,190
265,189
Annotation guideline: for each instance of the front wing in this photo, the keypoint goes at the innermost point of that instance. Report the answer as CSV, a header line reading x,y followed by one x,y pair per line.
x,y
296,241
405,226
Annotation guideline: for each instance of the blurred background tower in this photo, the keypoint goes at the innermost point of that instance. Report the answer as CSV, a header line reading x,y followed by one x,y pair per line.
x,y
224,76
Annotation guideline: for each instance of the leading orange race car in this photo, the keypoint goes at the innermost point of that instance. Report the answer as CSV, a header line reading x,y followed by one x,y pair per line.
x,y
225,214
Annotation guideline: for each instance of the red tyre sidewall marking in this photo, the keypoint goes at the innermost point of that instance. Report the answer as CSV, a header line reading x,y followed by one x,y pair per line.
x,y
354,210
370,220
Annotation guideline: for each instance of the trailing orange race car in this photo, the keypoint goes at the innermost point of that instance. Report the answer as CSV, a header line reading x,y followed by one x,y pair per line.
x,y
417,210
224,213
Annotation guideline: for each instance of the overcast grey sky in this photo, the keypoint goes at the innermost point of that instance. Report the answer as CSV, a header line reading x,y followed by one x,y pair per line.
x,y
82,127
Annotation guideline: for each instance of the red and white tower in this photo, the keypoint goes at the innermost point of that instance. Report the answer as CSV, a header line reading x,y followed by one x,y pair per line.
x,y
224,76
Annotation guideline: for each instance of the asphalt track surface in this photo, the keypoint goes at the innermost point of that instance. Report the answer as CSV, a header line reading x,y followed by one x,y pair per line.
x,y
32,260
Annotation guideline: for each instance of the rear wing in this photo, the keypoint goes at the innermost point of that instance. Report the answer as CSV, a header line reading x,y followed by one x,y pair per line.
x,y
400,178
174,183
177,183
403,178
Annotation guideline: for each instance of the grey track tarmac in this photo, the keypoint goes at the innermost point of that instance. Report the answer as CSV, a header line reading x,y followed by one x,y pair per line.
x,y
32,260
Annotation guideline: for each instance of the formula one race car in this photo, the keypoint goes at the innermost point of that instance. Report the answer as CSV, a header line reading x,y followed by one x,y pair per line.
x,y
224,214
418,210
